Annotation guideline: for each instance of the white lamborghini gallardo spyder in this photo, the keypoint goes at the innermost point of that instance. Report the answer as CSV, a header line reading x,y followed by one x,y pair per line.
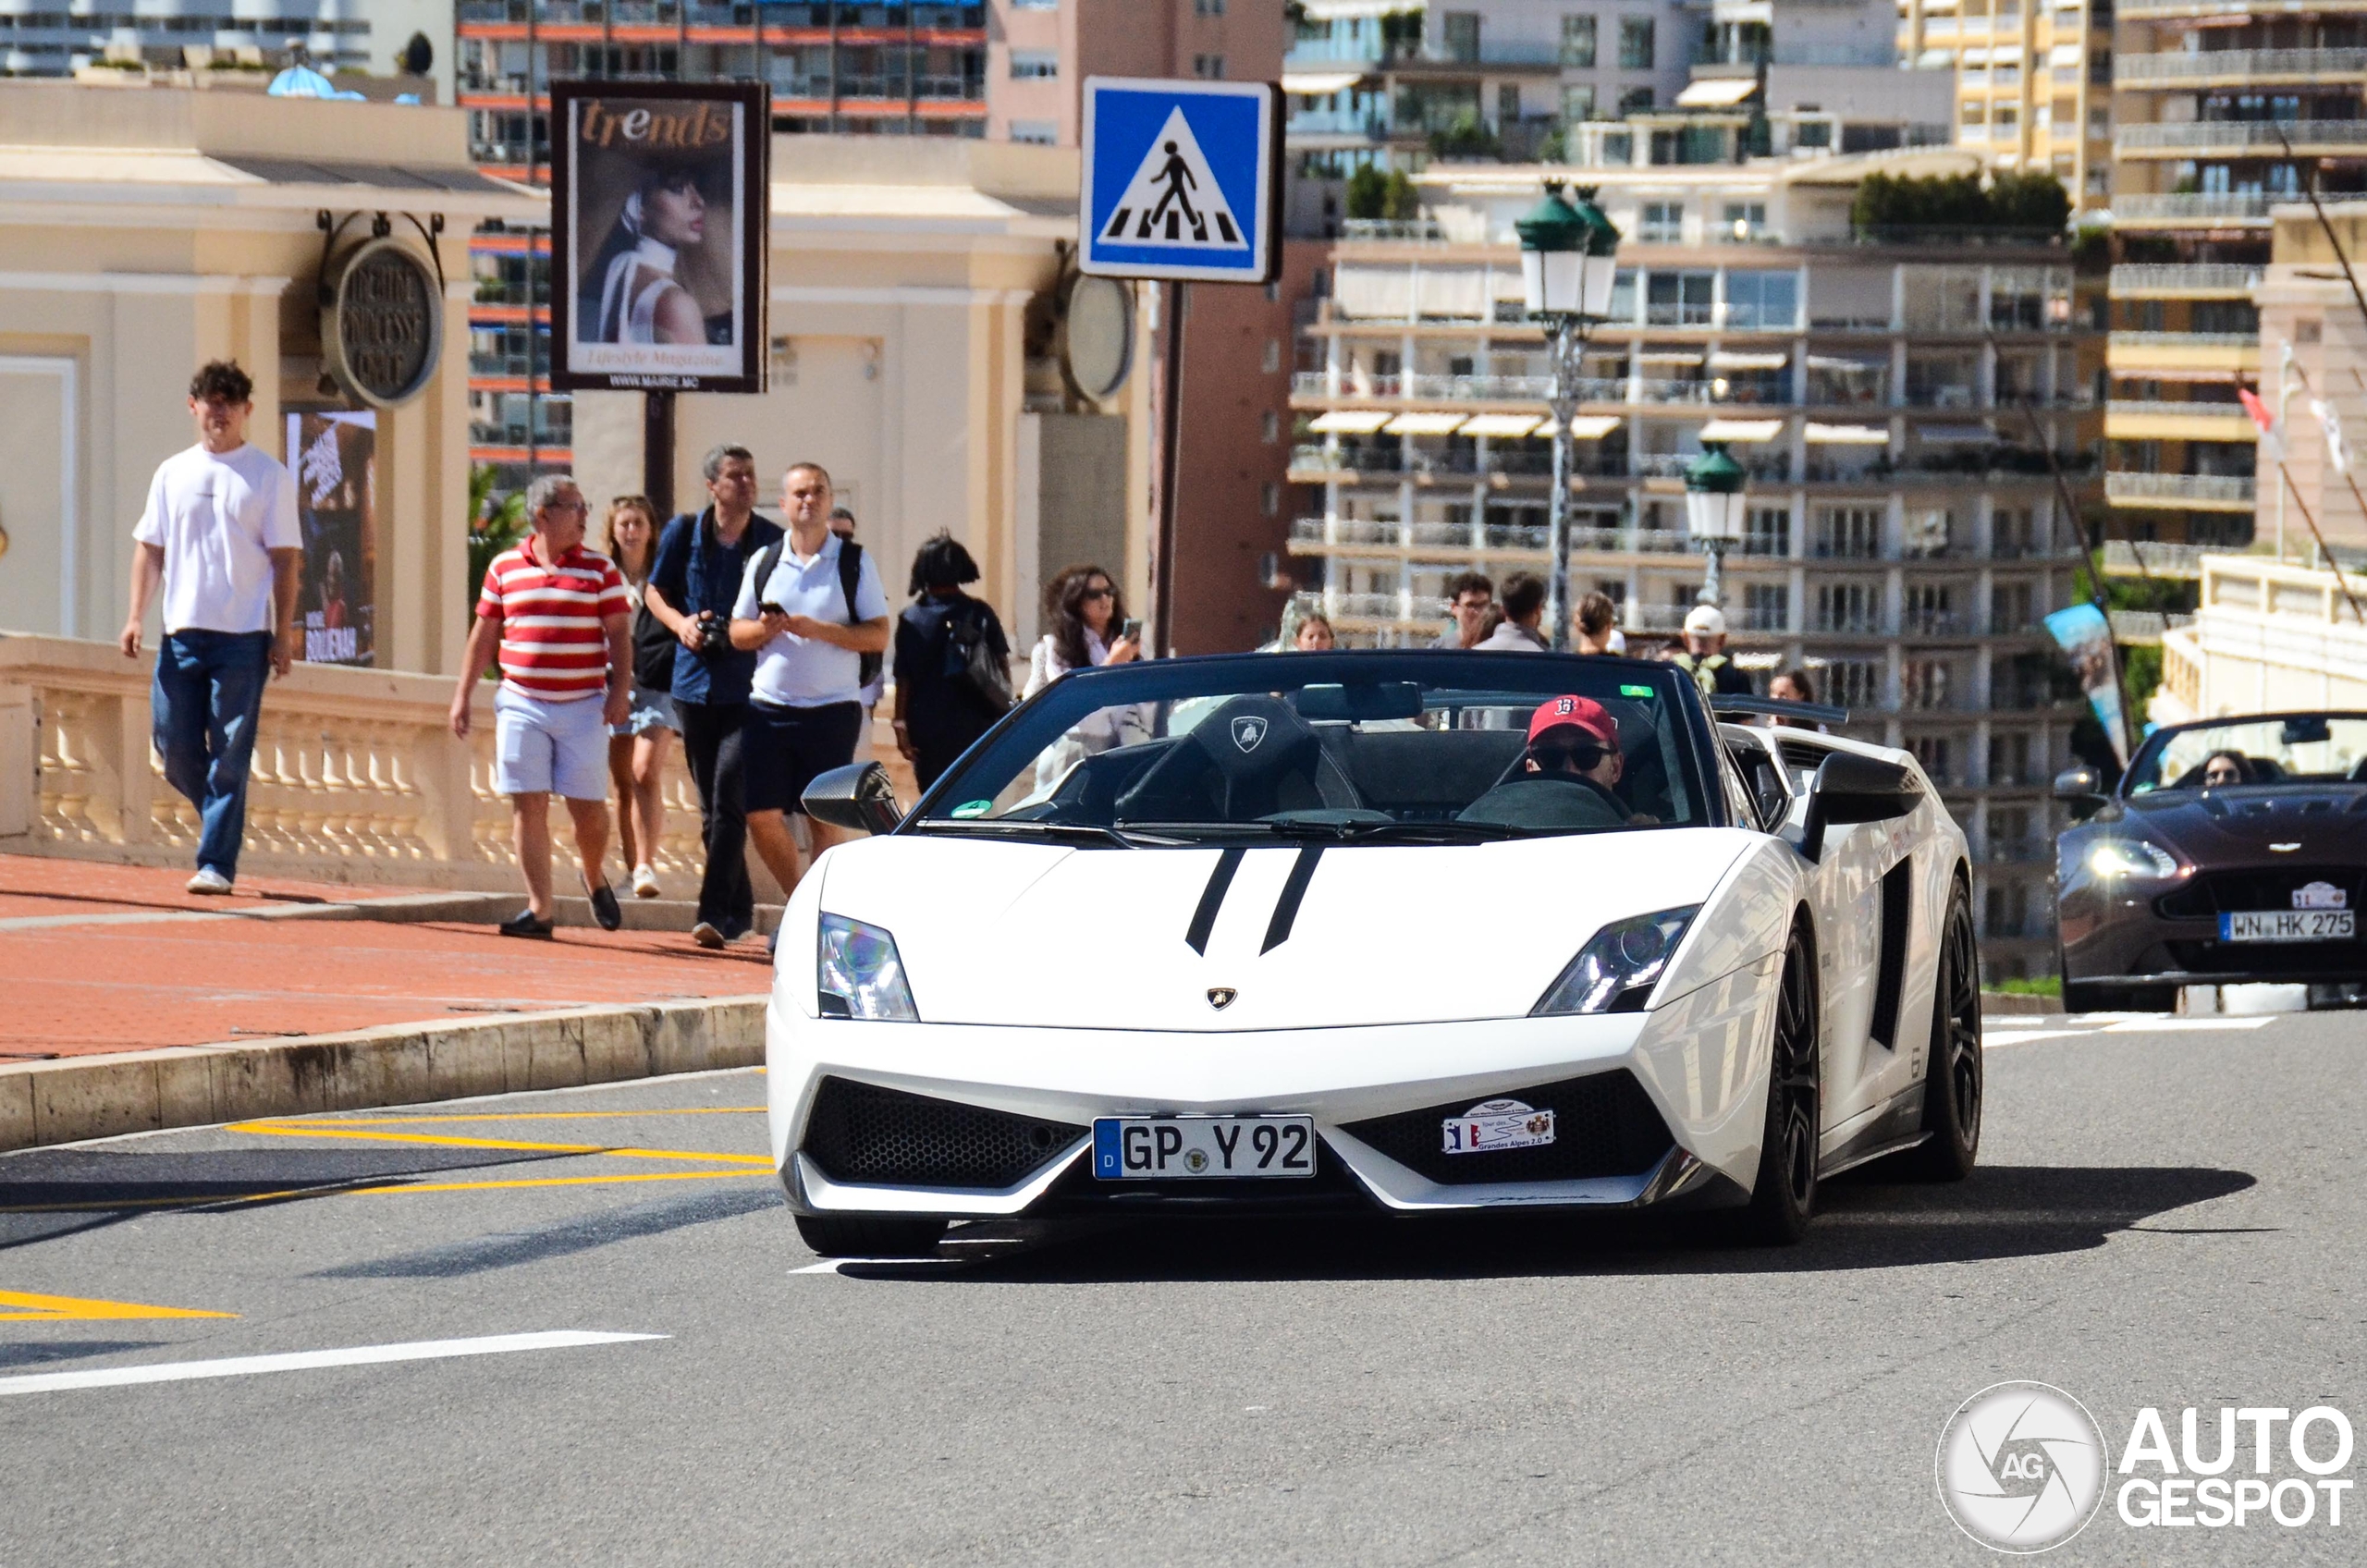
x,y
1386,931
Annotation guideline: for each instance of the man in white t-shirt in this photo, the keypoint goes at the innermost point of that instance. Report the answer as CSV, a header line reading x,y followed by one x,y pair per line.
x,y
807,710
220,538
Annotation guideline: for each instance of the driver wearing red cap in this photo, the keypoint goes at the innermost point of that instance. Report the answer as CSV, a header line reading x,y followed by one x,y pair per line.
x,y
1574,737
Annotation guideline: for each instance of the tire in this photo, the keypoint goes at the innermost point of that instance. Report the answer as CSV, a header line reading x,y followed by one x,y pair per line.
x,y
1953,1077
866,1236
1784,1196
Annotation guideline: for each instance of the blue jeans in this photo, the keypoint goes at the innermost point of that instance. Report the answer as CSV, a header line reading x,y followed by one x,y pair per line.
x,y
205,702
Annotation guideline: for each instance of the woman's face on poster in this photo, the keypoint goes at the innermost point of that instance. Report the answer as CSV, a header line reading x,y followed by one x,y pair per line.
x,y
675,214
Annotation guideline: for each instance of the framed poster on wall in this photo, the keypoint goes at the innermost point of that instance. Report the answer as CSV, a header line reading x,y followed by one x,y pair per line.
x,y
659,197
334,455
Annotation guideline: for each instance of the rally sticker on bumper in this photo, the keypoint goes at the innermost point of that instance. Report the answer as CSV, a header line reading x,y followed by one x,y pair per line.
x,y
1498,1124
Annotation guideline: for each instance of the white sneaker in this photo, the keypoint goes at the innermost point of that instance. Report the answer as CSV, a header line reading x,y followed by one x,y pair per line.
x,y
209,880
645,883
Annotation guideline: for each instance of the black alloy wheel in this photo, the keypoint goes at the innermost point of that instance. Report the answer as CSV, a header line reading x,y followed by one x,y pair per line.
x,y
841,1235
1952,1067
1784,1196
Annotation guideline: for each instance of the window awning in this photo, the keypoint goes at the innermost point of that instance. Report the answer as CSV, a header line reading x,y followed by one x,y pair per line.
x,y
1847,367
1350,422
1848,434
1424,424
1500,424
1742,430
1320,84
1717,91
1728,359
1669,356
1588,427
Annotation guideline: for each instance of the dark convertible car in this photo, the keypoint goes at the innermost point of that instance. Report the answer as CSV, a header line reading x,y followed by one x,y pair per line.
x,y
2234,850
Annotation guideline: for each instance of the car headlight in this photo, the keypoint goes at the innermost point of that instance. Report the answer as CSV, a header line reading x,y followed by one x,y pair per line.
x,y
860,974
1615,973
2131,857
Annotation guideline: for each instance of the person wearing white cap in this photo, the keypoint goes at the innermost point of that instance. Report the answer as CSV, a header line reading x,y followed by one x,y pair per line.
x,y
1705,656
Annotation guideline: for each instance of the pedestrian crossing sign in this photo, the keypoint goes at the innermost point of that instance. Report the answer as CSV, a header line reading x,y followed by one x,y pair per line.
x,y
1182,179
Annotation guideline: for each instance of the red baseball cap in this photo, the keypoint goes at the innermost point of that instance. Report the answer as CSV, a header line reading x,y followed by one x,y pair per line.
x,y
1580,713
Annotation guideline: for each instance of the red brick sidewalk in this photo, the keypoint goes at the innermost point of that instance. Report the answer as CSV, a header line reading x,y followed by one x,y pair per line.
x,y
95,985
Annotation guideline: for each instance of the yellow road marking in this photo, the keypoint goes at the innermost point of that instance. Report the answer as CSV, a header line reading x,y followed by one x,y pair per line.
x,y
77,1309
548,1116
333,1130
549,1181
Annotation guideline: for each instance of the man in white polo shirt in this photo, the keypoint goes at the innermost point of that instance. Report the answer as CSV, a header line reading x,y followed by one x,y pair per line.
x,y
220,536
811,617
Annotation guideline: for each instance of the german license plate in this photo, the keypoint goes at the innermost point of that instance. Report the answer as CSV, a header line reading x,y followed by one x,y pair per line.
x,y
2289,925
1171,1148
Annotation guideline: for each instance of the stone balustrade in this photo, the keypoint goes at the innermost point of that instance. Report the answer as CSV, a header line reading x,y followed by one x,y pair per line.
x,y
357,778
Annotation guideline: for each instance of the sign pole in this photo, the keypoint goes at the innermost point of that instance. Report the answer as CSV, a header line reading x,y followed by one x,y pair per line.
x,y
1170,472
657,451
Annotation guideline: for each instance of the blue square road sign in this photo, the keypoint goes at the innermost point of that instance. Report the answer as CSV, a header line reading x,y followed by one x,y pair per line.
x,y
1181,180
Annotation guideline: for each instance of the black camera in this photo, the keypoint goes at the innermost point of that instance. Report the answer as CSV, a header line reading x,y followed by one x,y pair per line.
x,y
715,636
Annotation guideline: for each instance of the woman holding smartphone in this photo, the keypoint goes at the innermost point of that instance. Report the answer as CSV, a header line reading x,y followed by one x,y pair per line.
x,y
1089,627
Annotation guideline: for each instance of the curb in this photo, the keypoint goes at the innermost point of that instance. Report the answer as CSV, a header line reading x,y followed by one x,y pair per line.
x,y
2009,1003
68,1101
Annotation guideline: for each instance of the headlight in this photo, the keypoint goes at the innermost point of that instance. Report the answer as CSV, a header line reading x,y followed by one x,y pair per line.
x,y
1624,961
859,973
2131,857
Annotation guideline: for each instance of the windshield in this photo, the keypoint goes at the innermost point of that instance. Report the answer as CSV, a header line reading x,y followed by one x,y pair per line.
x,y
1418,746
2306,749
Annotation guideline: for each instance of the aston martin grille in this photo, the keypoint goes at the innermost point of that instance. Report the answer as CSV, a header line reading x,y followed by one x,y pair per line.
x,y
1604,1125
861,1132
2218,892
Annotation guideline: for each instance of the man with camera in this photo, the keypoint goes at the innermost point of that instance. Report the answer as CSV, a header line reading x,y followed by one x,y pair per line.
x,y
701,558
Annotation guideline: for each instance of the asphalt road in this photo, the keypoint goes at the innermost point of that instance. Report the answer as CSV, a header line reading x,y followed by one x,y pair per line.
x,y
2164,1217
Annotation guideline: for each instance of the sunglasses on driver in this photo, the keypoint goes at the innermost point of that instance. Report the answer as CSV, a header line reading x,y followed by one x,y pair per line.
x,y
1578,758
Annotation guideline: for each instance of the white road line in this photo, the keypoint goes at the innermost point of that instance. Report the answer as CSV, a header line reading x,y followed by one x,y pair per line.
x,y
300,1361
2025,1036
2147,1026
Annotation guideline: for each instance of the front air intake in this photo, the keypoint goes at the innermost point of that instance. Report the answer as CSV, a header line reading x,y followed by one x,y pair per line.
x,y
1604,1125
867,1136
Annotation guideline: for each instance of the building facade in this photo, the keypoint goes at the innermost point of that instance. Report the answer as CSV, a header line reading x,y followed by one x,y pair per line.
x,y
38,37
2033,82
1894,404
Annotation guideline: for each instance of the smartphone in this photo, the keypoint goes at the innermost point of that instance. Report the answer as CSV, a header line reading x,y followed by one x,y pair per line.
x,y
768,607
1130,631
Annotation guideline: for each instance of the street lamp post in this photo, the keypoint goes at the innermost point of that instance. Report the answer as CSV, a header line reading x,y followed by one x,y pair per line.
x,y
1713,509
1567,263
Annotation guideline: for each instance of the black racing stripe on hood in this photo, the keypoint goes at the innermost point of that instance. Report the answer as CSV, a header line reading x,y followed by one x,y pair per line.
x,y
1278,930
1204,919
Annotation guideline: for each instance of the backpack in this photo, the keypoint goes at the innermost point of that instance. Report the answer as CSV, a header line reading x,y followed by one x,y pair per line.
x,y
849,574
970,660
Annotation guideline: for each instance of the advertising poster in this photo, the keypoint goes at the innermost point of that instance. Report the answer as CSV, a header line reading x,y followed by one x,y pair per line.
x,y
2086,638
333,454
659,201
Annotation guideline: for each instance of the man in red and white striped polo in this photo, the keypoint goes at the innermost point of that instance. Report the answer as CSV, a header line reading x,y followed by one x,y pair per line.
x,y
557,614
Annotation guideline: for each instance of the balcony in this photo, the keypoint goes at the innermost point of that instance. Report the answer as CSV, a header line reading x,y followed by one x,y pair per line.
x,y
2244,67
2187,211
1393,231
2136,420
2140,353
2211,492
2184,280
2224,138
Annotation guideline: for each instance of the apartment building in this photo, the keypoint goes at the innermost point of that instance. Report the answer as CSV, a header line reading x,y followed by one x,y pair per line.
x,y
1894,404
891,67
2221,110
51,38
1369,83
2033,82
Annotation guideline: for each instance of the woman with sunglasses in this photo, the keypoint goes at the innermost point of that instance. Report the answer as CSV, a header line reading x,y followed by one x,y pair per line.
x,y
1085,609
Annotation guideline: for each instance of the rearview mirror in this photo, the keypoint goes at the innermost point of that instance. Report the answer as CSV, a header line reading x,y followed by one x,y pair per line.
x,y
858,796
2078,782
1851,787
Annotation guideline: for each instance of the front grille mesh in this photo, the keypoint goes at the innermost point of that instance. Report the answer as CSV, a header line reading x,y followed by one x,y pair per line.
x,y
2214,893
1604,1125
861,1132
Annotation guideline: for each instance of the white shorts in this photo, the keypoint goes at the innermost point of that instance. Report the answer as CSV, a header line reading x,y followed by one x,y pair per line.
x,y
542,747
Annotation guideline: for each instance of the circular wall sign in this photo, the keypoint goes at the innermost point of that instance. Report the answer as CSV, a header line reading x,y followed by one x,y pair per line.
x,y
382,325
1098,337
